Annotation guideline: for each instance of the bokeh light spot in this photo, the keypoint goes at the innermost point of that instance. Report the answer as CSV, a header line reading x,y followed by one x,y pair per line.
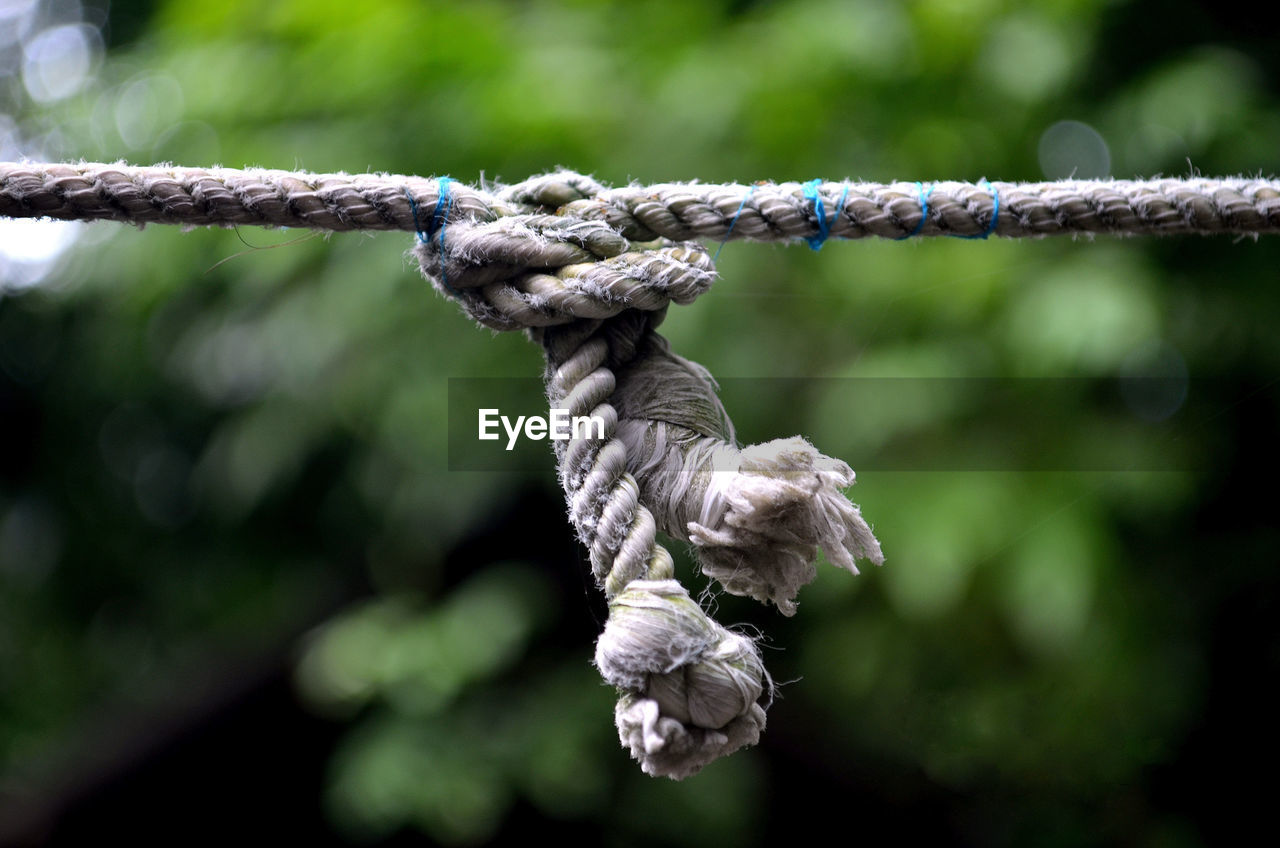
x,y
1074,150
58,61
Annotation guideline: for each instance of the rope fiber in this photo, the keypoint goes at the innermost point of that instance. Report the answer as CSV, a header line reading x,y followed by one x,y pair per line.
x,y
589,272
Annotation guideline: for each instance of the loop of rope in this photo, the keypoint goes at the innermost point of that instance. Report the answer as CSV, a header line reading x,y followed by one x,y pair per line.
x,y
543,270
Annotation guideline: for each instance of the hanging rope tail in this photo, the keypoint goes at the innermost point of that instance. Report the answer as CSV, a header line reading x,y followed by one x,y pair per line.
x,y
589,272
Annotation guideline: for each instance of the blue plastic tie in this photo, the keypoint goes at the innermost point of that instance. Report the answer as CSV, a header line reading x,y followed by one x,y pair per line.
x,y
734,222
820,210
924,210
995,213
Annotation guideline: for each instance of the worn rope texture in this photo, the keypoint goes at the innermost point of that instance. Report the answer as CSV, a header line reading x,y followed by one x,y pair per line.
x,y
690,690
679,211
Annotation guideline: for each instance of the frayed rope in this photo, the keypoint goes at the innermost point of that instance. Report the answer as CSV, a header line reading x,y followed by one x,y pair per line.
x,y
665,459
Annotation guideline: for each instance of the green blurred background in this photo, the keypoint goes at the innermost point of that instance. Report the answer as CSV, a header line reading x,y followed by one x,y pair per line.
x,y
242,596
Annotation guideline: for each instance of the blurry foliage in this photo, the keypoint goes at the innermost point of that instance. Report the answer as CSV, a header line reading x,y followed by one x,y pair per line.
x,y
430,675
211,444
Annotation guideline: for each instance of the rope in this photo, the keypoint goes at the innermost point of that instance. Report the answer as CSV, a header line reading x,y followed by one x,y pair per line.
x,y
690,690
679,211
589,272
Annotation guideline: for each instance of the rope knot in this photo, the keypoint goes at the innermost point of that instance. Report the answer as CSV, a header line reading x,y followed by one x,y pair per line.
x,y
542,270
552,191
696,691
553,261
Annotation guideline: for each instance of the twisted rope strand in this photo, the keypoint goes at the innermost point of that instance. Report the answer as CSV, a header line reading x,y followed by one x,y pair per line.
x,y
680,211
690,690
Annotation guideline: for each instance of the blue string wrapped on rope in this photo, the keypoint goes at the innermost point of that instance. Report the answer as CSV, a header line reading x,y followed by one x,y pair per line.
x,y
819,209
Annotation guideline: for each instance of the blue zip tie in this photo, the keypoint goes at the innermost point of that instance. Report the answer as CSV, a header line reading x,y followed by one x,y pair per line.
x,y
820,210
750,191
440,218
995,213
924,210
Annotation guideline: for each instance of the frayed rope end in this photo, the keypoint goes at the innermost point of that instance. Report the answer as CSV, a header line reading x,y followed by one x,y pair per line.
x,y
692,691
770,517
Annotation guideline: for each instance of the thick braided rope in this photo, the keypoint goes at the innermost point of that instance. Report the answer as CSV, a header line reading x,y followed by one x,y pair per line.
x,y
679,211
